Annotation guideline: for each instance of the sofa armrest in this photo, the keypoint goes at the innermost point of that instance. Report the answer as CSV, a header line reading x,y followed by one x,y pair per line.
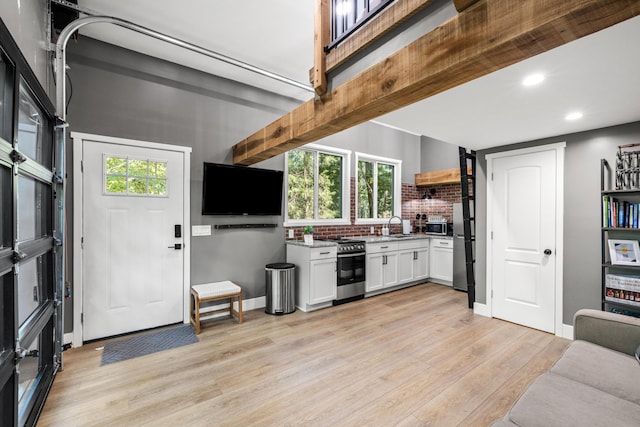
x,y
615,331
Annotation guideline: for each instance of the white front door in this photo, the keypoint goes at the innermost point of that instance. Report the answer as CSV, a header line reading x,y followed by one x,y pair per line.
x,y
522,237
133,261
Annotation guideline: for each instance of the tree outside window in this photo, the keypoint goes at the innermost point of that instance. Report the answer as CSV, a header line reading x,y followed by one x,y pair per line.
x,y
315,180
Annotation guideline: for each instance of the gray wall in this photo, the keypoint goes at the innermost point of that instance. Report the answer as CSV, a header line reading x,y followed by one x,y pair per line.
x,y
124,94
27,22
582,201
436,155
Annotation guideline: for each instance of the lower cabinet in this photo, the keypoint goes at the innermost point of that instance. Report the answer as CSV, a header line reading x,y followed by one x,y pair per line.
x,y
396,263
316,275
382,266
441,261
413,260
322,281
421,262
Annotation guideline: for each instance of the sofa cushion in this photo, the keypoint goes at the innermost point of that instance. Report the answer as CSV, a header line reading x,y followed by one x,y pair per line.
x,y
503,422
607,370
553,400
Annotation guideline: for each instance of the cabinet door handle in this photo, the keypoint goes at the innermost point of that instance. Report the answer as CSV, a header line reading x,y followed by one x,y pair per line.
x,y
384,247
415,255
384,260
325,253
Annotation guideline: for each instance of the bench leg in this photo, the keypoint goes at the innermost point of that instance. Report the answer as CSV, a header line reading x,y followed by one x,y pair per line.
x,y
195,313
240,307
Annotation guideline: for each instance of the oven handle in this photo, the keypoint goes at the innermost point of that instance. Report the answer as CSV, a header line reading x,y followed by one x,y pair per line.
x,y
351,254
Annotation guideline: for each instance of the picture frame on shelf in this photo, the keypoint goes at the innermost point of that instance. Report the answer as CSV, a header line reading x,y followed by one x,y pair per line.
x,y
624,252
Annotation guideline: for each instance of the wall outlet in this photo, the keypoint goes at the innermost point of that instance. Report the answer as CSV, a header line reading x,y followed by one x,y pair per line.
x,y
373,230
291,233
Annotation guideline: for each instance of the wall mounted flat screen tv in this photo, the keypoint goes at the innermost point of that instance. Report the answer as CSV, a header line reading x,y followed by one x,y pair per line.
x,y
241,190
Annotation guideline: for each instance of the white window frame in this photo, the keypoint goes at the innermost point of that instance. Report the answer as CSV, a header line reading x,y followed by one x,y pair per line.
x,y
397,186
346,188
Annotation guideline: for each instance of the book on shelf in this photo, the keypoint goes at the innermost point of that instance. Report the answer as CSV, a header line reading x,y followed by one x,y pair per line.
x,y
619,213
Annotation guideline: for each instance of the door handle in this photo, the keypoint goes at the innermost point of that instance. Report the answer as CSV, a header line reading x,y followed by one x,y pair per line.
x,y
548,252
177,246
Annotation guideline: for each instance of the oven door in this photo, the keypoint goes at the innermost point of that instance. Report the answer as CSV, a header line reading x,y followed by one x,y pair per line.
x,y
351,268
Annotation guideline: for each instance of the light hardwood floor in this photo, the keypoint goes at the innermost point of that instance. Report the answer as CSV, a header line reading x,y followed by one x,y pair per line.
x,y
414,357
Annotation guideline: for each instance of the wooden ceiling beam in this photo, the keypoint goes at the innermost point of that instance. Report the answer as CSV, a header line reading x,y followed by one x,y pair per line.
x,y
485,37
463,4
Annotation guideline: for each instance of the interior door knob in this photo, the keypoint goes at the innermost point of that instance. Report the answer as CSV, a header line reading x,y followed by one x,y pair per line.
x,y
547,252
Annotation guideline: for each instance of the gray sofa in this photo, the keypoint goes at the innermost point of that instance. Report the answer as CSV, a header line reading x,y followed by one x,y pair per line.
x,y
595,383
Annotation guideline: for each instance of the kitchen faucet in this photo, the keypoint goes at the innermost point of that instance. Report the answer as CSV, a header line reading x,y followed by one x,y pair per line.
x,y
389,226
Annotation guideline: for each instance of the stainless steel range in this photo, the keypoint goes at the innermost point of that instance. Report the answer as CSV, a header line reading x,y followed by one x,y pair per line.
x,y
351,270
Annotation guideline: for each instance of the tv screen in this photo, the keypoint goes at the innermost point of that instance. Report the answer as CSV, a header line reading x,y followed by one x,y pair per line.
x,y
241,190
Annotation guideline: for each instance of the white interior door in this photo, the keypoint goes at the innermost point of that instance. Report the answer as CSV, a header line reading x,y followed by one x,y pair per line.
x,y
133,197
524,245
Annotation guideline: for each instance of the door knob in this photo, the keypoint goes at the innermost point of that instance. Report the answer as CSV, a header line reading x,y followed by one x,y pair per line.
x,y
547,252
176,246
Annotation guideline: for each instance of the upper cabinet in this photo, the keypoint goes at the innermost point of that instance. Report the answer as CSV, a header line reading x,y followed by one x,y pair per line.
x,y
444,176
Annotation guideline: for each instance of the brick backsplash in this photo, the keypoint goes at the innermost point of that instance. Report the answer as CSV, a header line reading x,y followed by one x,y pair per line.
x,y
412,204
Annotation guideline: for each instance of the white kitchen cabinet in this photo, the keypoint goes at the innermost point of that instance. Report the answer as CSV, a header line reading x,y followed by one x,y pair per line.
x,y
390,269
421,262
441,261
316,275
413,260
374,269
406,263
322,281
382,266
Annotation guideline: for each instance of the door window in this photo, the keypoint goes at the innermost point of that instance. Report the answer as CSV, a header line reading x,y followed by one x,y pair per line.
x,y
34,280
6,207
125,176
33,140
34,208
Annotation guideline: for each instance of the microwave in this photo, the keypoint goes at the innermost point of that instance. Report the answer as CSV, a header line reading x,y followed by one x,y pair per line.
x,y
435,228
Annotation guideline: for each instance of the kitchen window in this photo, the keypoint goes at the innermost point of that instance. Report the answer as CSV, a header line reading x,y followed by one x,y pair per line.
x,y
317,186
378,189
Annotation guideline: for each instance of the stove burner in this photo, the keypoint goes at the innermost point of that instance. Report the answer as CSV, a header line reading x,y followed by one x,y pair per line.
x,y
348,245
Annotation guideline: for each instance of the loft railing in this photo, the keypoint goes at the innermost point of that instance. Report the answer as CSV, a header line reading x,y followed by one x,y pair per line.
x,y
349,15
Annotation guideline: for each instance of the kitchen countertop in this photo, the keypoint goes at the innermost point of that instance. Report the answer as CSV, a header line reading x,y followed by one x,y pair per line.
x,y
376,239
370,239
316,243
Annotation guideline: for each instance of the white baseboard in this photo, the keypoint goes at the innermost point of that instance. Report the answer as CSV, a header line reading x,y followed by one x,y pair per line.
x,y
481,309
566,332
67,338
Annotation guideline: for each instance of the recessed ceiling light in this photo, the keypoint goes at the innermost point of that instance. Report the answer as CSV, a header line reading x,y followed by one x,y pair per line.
x,y
533,79
573,116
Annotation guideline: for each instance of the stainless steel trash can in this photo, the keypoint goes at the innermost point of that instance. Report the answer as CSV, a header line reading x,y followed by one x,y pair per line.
x,y
281,287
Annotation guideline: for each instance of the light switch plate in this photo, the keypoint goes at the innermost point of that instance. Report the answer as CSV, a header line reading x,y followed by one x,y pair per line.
x,y
201,230
291,233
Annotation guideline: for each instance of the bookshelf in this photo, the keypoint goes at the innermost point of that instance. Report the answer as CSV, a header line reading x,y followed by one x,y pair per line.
x,y
620,234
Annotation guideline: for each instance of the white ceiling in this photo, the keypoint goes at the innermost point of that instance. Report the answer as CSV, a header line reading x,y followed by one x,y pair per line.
x,y
598,75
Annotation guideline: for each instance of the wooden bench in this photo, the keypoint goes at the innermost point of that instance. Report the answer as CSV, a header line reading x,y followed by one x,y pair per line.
x,y
212,292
